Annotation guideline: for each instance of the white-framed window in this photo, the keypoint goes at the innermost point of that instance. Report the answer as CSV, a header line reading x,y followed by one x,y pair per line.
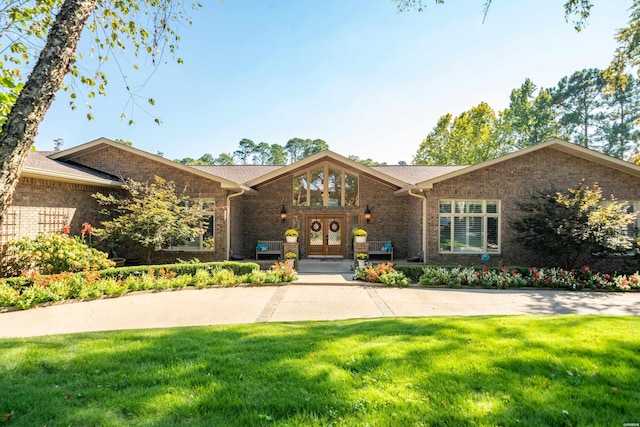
x,y
325,184
206,240
469,226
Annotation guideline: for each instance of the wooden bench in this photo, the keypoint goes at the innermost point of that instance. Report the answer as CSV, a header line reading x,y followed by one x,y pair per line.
x,y
383,247
269,247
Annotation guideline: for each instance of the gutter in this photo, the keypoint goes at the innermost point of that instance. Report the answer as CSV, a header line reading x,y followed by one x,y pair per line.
x,y
424,222
228,222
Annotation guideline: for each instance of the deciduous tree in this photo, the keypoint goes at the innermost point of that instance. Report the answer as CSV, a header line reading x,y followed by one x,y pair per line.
x,y
153,216
470,138
24,24
567,227
530,117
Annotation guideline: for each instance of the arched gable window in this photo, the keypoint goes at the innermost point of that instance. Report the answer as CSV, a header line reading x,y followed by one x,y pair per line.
x,y
325,184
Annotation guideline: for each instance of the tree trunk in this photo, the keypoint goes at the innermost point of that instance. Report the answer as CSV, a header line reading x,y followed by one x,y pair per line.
x,y
21,126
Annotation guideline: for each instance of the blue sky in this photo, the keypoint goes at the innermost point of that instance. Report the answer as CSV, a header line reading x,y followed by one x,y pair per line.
x,y
370,81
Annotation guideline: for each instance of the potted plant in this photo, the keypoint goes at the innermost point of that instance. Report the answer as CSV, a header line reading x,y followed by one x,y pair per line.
x,y
361,257
360,236
290,258
291,235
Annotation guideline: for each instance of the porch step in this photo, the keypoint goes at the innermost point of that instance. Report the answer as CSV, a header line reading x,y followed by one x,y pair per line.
x,y
325,265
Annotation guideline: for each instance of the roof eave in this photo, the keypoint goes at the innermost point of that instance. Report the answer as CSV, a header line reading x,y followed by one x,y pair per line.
x,y
96,144
28,172
318,157
557,144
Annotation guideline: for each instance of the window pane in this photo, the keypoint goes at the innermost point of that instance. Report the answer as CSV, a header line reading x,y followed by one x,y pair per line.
x,y
351,190
300,190
316,237
317,187
445,234
467,234
445,207
334,187
208,237
492,207
492,235
468,207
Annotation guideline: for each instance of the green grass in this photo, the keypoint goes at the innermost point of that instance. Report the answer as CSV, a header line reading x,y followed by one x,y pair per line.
x,y
486,371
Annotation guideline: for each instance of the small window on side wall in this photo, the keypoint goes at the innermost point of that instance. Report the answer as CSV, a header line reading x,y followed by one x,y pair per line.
x,y
206,240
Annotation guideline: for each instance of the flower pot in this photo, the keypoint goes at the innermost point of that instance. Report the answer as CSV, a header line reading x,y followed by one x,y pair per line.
x,y
360,239
291,239
290,262
119,261
361,263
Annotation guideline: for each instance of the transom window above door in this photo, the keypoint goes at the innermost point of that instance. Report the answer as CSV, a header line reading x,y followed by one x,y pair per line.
x,y
325,184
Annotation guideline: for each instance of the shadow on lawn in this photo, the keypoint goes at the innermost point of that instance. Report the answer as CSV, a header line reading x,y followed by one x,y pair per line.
x,y
569,302
438,371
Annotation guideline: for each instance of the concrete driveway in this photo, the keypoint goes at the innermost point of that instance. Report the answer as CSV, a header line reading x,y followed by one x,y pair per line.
x,y
314,297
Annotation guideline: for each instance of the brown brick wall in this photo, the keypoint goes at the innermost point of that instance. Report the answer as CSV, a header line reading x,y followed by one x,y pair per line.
x,y
516,180
261,215
37,202
127,165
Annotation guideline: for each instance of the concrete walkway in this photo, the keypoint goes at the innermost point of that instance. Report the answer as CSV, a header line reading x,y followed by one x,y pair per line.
x,y
313,297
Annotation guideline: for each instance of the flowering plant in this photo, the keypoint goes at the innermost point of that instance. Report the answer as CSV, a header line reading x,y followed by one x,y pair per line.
x,y
362,256
290,255
359,232
291,232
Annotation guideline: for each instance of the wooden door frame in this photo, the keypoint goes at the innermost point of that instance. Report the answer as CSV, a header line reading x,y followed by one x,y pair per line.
x,y
342,218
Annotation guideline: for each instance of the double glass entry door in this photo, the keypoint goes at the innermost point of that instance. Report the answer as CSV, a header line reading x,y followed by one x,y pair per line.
x,y
325,235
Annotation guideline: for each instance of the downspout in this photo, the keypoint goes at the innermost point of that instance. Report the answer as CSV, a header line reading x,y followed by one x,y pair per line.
x,y
228,221
424,223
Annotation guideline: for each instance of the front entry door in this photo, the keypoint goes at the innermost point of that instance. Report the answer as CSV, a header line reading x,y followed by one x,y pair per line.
x,y
325,235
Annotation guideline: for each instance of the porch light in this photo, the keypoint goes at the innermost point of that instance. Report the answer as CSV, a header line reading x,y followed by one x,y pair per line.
x,y
367,214
283,214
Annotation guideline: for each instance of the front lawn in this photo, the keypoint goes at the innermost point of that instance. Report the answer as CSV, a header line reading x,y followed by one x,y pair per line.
x,y
558,370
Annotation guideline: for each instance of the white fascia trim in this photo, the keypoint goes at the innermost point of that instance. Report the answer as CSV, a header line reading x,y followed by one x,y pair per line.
x,y
326,155
58,176
95,144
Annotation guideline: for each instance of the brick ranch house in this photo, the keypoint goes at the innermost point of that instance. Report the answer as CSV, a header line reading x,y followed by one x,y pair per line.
x,y
450,214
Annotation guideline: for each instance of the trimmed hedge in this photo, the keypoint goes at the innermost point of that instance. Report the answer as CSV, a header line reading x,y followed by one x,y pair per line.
x,y
238,268
25,292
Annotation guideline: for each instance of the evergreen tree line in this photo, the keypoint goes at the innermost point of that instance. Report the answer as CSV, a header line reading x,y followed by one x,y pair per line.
x,y
250,153
581,108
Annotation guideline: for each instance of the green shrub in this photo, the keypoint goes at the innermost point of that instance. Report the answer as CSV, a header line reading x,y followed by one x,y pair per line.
x,y
222,276
181,281
8,295
238,268
517,277
201,278
51,253
435,276
394,278
411,272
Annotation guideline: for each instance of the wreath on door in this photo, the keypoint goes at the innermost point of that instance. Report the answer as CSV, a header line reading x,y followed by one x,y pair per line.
x,y
315,225
334,226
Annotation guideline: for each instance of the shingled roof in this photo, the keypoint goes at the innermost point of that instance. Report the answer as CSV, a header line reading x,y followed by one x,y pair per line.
x,y
38,164
412,174
237,173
